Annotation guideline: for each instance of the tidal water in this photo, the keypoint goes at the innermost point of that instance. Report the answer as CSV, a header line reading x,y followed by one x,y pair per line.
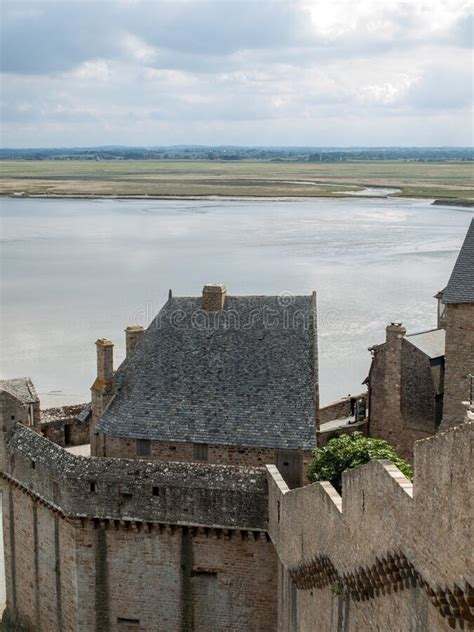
x,y
76,270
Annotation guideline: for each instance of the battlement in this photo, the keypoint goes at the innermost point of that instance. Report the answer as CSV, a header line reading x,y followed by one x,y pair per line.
x,y
129,490
385,533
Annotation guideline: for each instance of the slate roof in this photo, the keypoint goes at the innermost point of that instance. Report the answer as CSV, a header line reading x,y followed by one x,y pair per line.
x,y
85,413
460,288
245,377
431,343
22,388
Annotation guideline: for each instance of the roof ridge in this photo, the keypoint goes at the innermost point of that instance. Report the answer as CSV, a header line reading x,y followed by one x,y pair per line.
x,y
425,331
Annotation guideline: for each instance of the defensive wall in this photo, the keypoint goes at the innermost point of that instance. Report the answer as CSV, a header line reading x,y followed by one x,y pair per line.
x,y
112,544
388,554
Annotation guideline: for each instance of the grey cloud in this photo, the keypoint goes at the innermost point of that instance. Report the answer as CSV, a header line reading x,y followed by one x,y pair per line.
x,y
223,71
441,88
54,36
462,32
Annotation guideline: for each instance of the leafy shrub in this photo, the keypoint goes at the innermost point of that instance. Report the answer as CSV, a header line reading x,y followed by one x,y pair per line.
x,y
348,451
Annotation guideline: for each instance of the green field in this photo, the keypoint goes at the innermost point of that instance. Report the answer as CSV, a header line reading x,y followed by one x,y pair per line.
x,y
241,178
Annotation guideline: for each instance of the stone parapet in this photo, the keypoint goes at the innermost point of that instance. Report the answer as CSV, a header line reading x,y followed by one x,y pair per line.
x,y
121,489
383,535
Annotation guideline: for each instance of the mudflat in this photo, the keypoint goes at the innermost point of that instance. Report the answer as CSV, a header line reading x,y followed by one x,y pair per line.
x,y
160,178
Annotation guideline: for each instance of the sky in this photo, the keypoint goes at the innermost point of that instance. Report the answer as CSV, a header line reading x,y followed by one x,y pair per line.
x,y
248,72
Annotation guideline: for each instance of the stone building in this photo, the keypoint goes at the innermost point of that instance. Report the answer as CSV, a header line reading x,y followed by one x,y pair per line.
x,y
22,388
216,379
417,383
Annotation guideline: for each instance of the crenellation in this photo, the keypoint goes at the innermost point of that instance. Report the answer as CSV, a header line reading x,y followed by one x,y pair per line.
x,y
382,540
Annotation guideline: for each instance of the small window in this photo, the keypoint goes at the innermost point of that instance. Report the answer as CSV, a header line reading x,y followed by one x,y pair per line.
x,y
33,464
12,417
203,572
126,495
143,447
156,491
200,451
122,622
92,487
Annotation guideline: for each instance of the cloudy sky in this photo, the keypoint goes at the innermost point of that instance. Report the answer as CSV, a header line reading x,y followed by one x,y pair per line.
x,y
247,72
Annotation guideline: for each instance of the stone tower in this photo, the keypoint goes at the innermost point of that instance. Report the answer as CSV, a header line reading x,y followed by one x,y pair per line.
x,y
459,300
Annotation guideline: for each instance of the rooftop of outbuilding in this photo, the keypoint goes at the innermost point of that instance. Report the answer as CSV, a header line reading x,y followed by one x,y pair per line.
x,y
22,388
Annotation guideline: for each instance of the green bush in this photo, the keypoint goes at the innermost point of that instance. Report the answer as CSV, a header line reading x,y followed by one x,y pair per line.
x,y
348,451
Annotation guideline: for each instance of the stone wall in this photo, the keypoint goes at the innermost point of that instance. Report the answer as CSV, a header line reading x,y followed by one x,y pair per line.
x,y
115,544
459,361
389,371
121,489
180,451
190,453
337,410
176,579
391,555
40,569
417,392
62,426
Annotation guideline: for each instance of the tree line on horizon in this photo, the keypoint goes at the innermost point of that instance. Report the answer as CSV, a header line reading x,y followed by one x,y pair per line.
x,y
231,153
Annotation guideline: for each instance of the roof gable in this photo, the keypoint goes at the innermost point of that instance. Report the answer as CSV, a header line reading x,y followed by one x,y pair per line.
x,y
22,388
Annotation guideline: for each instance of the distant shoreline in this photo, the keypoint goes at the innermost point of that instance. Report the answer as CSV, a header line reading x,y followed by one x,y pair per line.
x,y
216,196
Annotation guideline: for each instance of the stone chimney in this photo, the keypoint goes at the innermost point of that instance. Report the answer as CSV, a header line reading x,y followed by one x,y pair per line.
x,y
133,333
213,297
394,331
103,388
105,360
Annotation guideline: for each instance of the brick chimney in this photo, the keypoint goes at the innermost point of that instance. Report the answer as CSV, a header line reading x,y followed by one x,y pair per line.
x,y
133,333
213,297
